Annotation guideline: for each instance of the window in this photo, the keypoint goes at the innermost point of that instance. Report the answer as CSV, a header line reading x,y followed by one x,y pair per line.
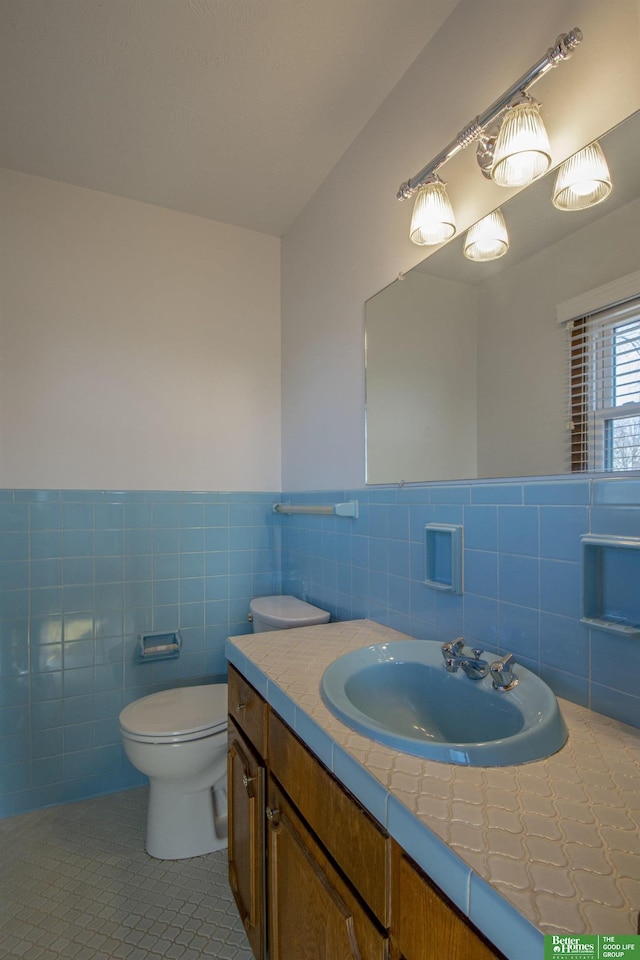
x,y
605,388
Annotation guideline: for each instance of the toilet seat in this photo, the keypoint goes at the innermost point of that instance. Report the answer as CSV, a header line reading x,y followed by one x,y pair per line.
x,y
178,715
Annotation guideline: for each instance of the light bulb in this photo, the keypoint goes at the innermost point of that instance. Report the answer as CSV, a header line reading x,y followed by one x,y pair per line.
x,y
433,220
522,152
487,239
583,180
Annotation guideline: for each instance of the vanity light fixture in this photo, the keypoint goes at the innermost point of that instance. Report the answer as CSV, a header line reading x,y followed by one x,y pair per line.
x,y
487,239
433,220
490,130
522,152
583,180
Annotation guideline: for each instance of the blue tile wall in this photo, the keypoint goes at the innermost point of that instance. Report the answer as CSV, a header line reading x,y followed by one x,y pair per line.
x,y
522,573
82,573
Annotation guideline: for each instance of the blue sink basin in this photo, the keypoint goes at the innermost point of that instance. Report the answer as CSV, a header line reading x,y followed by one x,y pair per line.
x,y
401,695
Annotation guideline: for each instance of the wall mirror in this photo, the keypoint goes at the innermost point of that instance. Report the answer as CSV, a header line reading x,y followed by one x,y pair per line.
x,y
466,363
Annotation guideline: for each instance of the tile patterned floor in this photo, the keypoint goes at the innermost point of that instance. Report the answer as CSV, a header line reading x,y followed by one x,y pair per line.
x,y
76,883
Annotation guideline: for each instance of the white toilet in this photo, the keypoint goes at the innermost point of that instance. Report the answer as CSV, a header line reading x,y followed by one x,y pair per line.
x,y
178,738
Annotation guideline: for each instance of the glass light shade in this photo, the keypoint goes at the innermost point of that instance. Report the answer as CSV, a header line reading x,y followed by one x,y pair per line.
x,y
522,152
583,180
487,239
433,220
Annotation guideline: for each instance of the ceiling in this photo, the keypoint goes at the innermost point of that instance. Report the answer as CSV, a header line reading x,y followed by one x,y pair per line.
x,y
235,110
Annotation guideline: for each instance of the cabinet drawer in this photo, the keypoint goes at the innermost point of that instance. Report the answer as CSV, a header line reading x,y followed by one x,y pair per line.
x,y
352,837
248,709
425,926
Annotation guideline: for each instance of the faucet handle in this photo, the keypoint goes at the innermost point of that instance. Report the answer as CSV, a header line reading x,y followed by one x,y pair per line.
x,y
453,648
502,673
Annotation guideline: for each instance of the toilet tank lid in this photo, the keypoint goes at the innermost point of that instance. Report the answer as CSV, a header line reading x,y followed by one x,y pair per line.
x,y
181,710
287,609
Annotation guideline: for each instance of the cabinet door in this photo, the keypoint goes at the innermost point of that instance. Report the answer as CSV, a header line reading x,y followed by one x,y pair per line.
x,y
424,926
313,913
245,797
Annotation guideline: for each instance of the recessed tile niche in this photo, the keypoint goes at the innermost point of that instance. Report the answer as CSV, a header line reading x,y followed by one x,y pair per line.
x,y
611,582
444,556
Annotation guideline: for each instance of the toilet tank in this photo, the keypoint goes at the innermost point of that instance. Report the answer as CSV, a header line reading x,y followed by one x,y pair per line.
x,y
283,613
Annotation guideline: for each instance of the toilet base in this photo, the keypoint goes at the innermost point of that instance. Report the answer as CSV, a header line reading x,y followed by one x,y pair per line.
x,y
183,825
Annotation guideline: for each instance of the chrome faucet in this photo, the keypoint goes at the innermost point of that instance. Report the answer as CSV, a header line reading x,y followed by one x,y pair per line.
x,y
455,657
502,673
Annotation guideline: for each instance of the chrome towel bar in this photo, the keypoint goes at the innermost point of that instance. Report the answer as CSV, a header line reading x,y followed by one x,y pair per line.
x,y
348,509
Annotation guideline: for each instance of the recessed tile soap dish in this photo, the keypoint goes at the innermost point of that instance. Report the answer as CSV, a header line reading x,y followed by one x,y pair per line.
x,y
610,578
443,545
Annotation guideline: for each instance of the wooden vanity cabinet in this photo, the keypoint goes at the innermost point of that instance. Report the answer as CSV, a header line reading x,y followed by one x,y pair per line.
x,y
314,876
424,925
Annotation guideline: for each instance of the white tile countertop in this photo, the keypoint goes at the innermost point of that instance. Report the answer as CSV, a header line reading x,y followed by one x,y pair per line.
x,y
551,846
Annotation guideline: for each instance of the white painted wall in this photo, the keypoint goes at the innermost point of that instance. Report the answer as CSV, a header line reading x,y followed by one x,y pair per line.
x,y
421,381
352,238
139,347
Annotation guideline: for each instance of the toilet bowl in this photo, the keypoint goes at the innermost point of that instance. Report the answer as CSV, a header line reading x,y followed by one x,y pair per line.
x,y
284,613
178,738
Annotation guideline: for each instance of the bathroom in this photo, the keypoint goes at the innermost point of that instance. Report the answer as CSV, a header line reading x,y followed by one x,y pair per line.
x,y
130,505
